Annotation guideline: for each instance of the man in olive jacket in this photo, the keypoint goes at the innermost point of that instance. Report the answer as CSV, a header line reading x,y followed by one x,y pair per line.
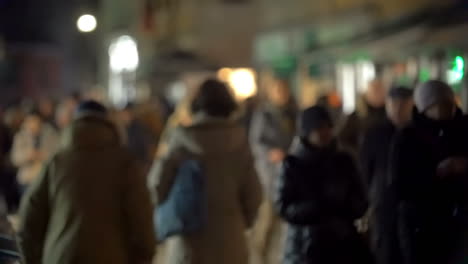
x,y
90,204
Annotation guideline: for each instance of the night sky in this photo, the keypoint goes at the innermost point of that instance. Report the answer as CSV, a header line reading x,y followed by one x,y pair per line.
x,y
43,21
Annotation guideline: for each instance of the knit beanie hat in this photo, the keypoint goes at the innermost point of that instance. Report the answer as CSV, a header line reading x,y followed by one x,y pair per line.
x,y
313,118
432,92
400,92
90,108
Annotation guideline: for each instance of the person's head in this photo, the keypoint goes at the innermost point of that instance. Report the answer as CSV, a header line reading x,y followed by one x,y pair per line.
x,y
126,115
13,117
33,122
436,100
90,108
214,99
64,113
279,93
316,126
375,94
46,108
400,105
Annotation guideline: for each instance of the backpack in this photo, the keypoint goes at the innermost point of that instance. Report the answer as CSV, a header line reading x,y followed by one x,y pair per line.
x,y
184,211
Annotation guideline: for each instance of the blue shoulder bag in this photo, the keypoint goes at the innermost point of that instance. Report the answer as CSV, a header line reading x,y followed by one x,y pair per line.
x,y
184,210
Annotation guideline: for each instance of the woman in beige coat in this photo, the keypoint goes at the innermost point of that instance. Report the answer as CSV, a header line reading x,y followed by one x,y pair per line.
x,y
231,184
33,145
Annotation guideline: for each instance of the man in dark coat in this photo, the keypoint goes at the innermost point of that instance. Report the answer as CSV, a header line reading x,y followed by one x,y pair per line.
x,y
370,111
430,171
374,159
320,195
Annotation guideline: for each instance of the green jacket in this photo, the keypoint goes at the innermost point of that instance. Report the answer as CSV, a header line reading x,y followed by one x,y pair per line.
x,y
90,204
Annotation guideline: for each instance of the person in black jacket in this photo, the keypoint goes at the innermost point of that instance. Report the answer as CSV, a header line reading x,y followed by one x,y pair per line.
x,y
429,172
320,196
374,159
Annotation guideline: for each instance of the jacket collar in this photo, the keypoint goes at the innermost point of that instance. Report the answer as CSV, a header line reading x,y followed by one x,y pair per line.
x,y
420,120
302,148
91,132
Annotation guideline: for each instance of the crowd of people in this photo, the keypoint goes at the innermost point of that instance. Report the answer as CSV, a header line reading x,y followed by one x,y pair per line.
x,y
385,184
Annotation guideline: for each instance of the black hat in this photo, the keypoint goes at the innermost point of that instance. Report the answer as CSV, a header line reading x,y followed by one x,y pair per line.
x,y
313,118
400,92
90,108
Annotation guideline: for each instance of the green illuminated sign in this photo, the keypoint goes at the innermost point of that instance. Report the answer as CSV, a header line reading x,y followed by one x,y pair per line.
x,y
457,72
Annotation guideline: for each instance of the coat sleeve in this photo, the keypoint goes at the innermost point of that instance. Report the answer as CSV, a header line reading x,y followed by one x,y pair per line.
x,y
164,170
348,133
138,212
51,143
357,195
401,184
367,156
34,215
251,191
259,138
290,206
22,151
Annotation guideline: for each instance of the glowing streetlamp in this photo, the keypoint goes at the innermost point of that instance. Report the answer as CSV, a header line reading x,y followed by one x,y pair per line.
x,y
241,80
86,23
123,54
123,64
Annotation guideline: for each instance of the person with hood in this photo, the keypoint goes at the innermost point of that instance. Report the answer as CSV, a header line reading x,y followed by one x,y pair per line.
x,y
430,175
271,133
33,145
374,159
90,203
320,195
231,186
370,111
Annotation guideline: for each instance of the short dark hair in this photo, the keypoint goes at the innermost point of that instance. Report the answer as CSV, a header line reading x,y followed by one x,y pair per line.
x,y
90,107
34,111
400,92
214,99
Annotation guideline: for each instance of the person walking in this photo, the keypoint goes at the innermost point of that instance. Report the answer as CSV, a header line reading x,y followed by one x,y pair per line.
x,y
320,195
33,145
370,111
430,175
271,133
90,203
140,142
231,187
374,159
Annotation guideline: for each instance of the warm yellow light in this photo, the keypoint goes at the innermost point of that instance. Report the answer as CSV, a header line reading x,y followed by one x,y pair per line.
x,y
224,73
243,83
86,23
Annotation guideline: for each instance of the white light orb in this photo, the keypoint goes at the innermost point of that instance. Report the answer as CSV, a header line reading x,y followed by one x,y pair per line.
x,y
86,23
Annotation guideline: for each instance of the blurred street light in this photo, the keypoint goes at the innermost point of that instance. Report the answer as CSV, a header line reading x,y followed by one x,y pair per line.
x,y
242,81
86,23
123,63
123,54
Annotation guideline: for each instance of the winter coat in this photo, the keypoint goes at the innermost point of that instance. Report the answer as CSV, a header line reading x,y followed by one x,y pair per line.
x,y
90,204
233,191
271,128
375,163
352,130
9,252
432,216
320,196
25,145
8,183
